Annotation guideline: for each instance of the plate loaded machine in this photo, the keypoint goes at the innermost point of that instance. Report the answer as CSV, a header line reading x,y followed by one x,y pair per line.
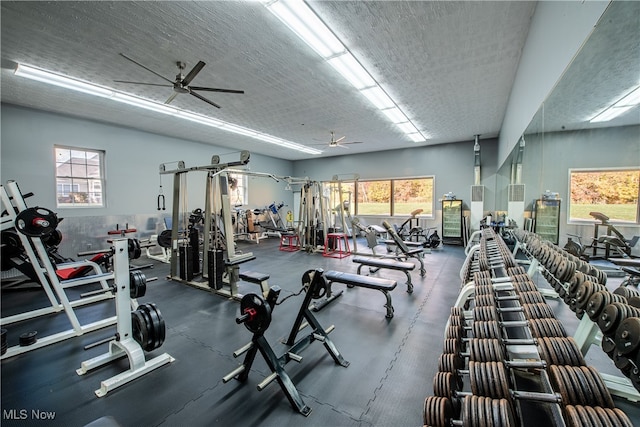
x,y
256,317
33,227
221,262
137,331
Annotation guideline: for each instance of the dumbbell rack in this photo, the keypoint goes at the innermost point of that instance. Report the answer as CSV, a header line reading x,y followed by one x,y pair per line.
x,y
588,333
488,256
13,202
123,344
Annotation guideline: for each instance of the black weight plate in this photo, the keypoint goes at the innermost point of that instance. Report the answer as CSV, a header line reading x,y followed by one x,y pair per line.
x,y
28,338
162,328
153,328
262,318
148,321
139,330
36,222
158,327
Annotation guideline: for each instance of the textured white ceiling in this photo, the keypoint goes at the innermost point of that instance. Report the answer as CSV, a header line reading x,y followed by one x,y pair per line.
x,y
449,65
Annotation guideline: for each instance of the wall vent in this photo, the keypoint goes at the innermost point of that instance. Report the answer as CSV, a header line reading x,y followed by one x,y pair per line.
x,y
516,193
477,193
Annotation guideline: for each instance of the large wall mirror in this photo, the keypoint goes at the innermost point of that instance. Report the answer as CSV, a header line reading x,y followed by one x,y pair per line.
x,y
563,144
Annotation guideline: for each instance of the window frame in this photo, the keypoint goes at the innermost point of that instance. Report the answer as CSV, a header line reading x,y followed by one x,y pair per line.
x,y
616,221
243,183
73,180
392,202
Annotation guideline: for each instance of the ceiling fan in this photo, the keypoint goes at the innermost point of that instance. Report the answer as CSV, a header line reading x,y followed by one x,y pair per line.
x,y
181,83
333,142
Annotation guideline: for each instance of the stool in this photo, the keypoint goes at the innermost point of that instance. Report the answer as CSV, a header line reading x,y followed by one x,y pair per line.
x,y
292,242
333,246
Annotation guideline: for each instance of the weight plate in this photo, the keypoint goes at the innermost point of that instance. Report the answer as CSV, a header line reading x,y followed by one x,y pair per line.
x,y
622,418
28,338
592,387
602,387
610,317
627,337
260,319
137,284
559,383
160,328
573,415
151,322
139,328
36,222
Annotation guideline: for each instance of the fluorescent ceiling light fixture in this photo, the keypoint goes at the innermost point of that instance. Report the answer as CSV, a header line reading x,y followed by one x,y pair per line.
x,y
301,20
416,137
61,81
407,127
395,115
610,114
304,22
351,70
105,92
143,103
627,102
631,99
378,98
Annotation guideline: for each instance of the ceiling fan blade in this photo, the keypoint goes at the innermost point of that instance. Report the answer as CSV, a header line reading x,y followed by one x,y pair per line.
x,y
204,99
148,69
213,89
342,146
171,98
353,142
194,72
142,83
339,139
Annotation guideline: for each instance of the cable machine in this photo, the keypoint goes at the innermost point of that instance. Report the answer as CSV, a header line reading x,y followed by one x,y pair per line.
x,y
220,272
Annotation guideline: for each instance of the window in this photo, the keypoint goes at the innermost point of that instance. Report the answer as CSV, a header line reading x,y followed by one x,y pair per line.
x,y
79,177
237,189
613,192
412,194
374,198
395,196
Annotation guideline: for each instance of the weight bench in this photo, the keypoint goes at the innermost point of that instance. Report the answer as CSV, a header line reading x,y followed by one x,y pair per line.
x,y
350,279
258,279
416,253
388,263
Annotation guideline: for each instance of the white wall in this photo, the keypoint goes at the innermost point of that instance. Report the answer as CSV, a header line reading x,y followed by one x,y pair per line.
x,y
132,161
558,30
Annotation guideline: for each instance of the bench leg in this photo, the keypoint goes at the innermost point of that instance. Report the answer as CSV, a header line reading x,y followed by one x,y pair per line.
x,y
388,305
423,272
409,284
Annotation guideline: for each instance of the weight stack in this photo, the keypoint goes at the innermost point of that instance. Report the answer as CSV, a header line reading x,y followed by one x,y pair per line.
x,y
195,250
215,268
185,255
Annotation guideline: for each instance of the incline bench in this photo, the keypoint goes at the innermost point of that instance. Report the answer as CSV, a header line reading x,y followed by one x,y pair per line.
x,y
407,253
350,279
376,264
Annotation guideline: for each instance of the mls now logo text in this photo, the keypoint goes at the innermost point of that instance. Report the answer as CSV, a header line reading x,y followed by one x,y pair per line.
x,y
24,414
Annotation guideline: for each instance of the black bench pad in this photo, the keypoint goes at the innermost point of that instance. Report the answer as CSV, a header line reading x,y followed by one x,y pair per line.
x,y
361,281
389,263
254,276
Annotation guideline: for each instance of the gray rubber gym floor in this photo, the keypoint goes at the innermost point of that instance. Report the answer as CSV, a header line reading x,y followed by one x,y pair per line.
x,y
392,361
